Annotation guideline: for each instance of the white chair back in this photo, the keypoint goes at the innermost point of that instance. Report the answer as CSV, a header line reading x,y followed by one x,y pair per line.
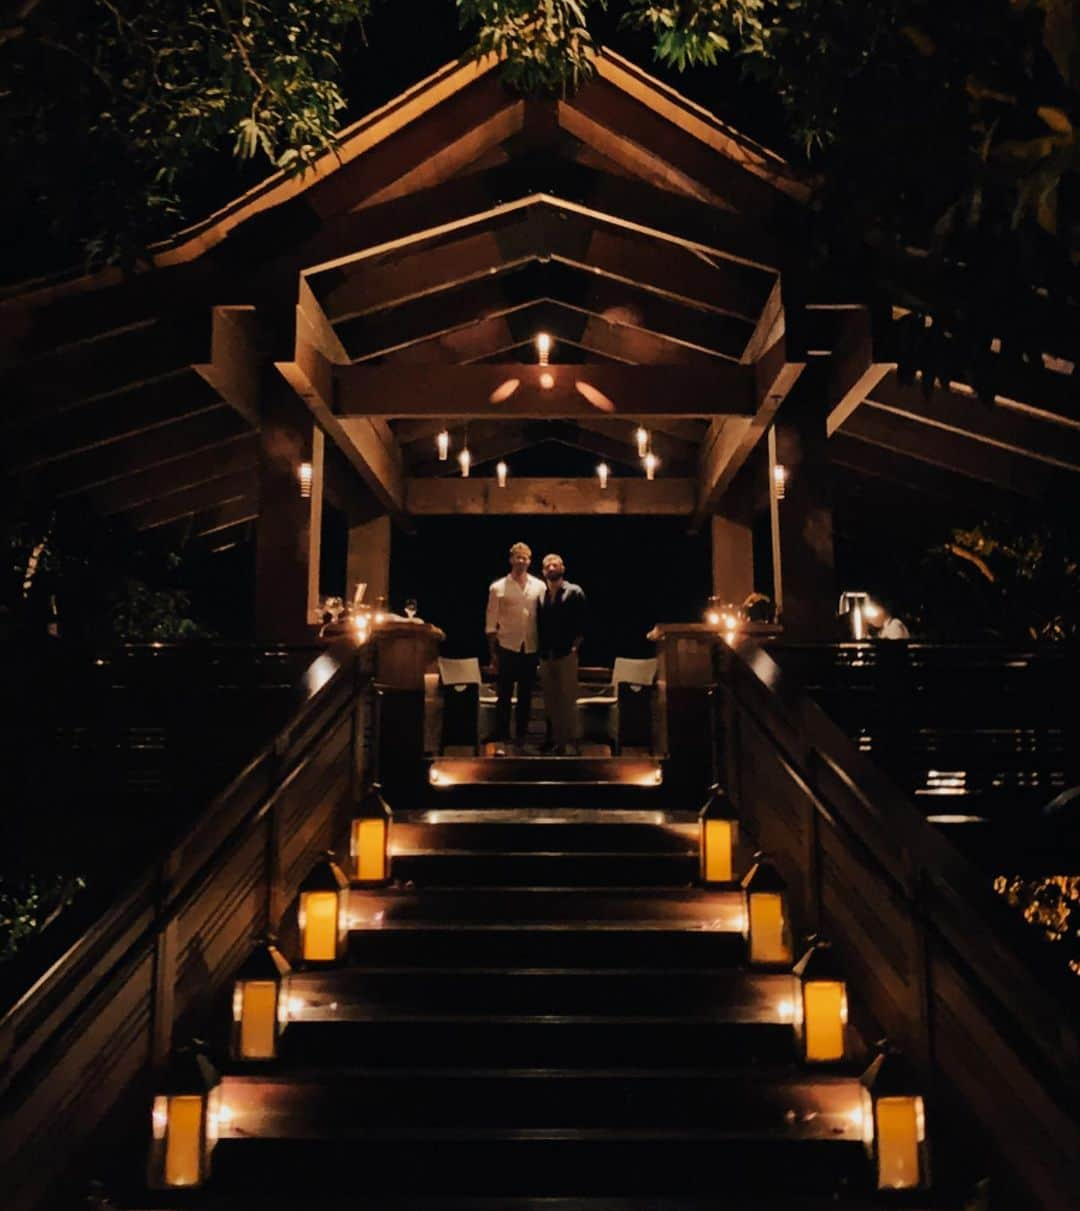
x,y
460,672
636,672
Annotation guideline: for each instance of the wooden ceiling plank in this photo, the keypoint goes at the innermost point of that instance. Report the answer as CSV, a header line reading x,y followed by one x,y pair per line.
x,y
226,516
550,497
240,485
466,391
235,366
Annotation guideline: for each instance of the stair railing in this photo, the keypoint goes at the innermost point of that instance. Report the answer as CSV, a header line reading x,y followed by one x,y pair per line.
x,y
92,1029
936,960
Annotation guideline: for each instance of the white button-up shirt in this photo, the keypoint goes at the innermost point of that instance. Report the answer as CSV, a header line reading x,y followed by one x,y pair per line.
x,y
511,612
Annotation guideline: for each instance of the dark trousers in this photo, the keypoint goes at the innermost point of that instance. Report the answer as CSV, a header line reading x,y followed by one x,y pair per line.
x,y
515,668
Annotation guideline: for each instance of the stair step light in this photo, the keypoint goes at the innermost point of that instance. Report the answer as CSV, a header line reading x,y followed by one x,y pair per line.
x,y
185,1118
369,838
718,836
821,1010
768,925
323,912
260,1000
894,1123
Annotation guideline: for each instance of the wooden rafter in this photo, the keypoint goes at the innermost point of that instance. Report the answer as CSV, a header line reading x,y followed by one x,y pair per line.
x,y
855,369
197,498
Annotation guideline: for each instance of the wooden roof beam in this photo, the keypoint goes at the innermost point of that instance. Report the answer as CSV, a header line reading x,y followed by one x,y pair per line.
x,y
210,494
855,367
550,497
589,391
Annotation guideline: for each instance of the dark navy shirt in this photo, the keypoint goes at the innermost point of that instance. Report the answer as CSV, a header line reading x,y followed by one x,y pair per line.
x,y
560,620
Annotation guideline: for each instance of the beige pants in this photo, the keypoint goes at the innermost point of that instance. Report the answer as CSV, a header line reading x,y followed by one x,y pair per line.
x,y
560,681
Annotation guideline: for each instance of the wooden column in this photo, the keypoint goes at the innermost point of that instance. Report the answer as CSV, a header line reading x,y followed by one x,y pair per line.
x,y
287,532
804,563
369,558
685,674
732,558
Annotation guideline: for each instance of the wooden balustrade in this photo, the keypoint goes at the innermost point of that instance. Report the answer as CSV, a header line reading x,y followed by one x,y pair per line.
x,y
88,1033
935,959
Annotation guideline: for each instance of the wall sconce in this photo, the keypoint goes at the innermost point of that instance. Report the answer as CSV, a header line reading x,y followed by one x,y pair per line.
x,y
442,444
780,480
501,472
306,475
324,898
768,926
259,1004
855,602
651,463
543,347
602,473
464,461
821,1011
641,436
369,838
184,1121
718,836
894,1124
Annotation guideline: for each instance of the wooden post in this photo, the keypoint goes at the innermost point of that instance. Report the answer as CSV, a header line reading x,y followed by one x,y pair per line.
x,y
369,558
403,653
287,521
685,674
804,571
732,559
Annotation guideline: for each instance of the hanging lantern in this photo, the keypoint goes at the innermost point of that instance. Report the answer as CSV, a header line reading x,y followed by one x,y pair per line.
x,y
369,838
543,347
185,1121
768,927
324,899
651,463
442,444
894,1124
641,436
464,461
821,1010
602,473
718,836
259,1004
306,474
501,472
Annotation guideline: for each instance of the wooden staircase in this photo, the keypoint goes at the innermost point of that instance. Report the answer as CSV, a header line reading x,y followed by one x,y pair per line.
x,y
543,1009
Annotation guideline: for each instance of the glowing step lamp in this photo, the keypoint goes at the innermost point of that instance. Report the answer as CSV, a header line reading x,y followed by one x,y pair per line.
x,y
768,924
894,1124
259,1004
323,912
821,1010
184,1124
718,836
369,838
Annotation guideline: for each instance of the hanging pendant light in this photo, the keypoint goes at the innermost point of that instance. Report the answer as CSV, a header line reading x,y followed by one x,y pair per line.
x,y
602,473
501,472
651,463
442,444
641,436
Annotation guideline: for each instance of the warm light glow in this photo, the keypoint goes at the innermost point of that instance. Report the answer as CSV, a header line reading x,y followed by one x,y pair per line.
x,y
651,463
501,472
824,1017
602,473
641,436
712,617
547,381
436,777
159,1119
504,390
368,848
780,480
306,474
718,838
319,925
183,1141
258,1018
785,1010
897,1121
294,1005
768,928
543,347
442,444
464,462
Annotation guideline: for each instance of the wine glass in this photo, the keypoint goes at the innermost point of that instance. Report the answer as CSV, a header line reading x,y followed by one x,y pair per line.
x,y
334,606
410,607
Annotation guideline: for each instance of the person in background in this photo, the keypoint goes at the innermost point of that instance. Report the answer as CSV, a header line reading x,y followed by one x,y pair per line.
x,y
510,625
561,627
886,625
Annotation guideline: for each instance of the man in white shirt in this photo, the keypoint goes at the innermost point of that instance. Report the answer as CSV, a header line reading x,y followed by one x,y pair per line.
x,y
887,624
510,625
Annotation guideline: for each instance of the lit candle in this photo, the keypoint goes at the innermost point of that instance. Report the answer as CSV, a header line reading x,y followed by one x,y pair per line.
x,y
442,443
651,463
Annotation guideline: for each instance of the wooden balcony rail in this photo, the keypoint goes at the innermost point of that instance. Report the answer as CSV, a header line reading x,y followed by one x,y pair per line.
x,y
90,1031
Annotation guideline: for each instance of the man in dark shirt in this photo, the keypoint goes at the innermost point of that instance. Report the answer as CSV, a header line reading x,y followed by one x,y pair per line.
x,y
560,621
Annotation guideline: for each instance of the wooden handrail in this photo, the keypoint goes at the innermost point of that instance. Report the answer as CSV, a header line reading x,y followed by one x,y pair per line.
x,y
91,1027
938,961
